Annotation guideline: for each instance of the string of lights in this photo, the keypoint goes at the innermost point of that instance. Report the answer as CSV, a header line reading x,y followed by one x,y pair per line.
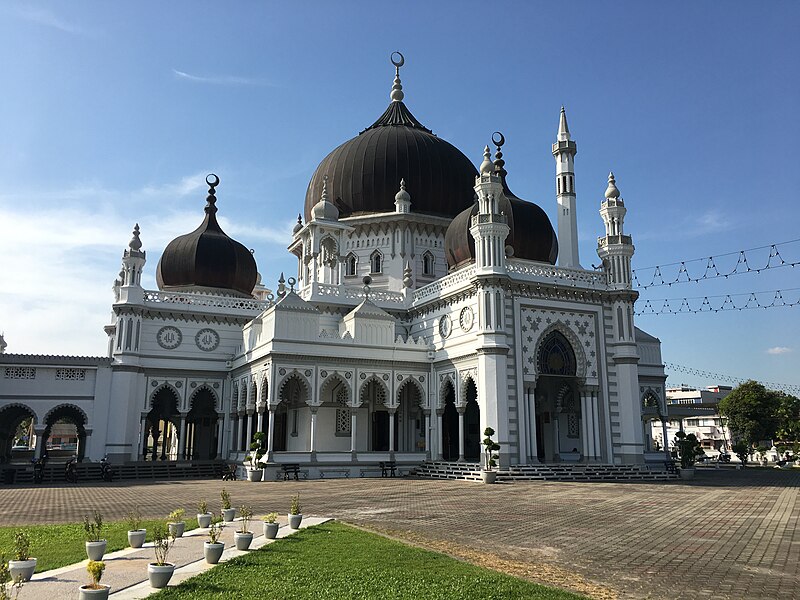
x,y
785,387
712,270
723,302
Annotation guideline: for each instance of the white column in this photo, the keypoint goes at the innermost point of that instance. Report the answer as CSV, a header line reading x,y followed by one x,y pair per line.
x,y
220,433
427,414
142,437
312,443
260,426
557,442
234,445
596,426
182,439
586,426
439,441
249,432
534,439
270,433
392,413
353,421
461,410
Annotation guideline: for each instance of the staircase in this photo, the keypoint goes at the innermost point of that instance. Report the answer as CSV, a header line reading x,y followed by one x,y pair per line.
x,y
555,472
90,471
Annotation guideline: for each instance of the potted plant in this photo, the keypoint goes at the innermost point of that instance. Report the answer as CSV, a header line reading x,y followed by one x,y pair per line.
x,y
271,526
255,470
203,516
244,537
176,523
94,590
5,579
490,448
295,512
22,566
136,535
212,549
95,546
688,450
228,513
160,571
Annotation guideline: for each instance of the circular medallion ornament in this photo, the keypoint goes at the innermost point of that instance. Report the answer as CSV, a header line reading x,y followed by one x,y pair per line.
x,y
207,339
445,326
169,337
466,319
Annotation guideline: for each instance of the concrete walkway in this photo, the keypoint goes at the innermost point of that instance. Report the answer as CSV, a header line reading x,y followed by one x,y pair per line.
x,y
126,570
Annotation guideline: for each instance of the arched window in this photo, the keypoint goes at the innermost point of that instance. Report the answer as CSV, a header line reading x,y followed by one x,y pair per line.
x,y
350,265
427,264
556,356
376,262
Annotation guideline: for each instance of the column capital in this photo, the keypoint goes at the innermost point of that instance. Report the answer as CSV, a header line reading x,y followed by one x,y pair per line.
x,y
313,409
461,409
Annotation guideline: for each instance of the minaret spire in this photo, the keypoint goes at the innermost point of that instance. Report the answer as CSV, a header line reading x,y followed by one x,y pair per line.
x,y
564,151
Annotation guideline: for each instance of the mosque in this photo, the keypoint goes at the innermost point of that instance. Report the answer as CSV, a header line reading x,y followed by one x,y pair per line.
x,y
429,302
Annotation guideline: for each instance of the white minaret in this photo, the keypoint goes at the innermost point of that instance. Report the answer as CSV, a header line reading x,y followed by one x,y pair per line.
x,y
489,227
564,151
615,249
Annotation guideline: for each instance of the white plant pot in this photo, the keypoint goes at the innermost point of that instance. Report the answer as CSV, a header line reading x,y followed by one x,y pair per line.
x,y
243,540
177,529
96,550
136,538
204,520
22,569
159,575
254,474
228,514
294,521
687,473
271,530
213,552
489,476
101,593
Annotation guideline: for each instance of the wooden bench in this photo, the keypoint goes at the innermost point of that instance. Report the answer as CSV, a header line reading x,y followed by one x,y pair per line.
x,y
229,473
373,469
344,471
290,469
388,468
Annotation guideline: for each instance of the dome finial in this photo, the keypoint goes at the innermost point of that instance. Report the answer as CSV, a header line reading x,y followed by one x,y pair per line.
x,y
211,200
487,166
397,87
611,190
135,243
324,197
563,129
498,139
299,225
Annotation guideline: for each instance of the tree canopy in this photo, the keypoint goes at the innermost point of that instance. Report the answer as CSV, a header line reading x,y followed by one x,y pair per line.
x,y
756,413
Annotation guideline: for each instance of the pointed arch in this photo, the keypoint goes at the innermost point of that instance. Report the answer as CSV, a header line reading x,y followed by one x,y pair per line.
x,y
376,262
169,388
205,389
411,381
294,389
351,265
446,382
335,389
574,345
381,390
428,264
467,378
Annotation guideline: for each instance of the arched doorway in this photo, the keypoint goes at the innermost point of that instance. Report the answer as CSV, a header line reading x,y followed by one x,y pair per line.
x,y
291,400
335,408
201,426
409,425
449,423
16,431
472,424
66,425
374,397
162,425
558,408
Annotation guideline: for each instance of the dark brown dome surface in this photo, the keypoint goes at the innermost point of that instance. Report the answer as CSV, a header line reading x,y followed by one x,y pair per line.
x,y
532,236
364,173
207,259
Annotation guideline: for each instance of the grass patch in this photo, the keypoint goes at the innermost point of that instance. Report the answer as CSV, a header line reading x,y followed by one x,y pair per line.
x,y
336,561
59,545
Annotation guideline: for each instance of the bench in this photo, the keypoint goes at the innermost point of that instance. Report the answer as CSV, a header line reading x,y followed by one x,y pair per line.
x,y
344,471
388,468
366,470
293,470
229,473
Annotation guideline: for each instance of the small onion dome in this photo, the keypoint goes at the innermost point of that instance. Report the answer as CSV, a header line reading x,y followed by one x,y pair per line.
x,y
299,225
207,260
531,235
612,191
324,210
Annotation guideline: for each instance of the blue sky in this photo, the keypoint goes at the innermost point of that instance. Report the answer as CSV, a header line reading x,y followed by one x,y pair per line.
x,y
113,113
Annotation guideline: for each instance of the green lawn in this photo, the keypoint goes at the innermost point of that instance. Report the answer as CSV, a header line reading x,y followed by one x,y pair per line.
x,y
337,561
60,545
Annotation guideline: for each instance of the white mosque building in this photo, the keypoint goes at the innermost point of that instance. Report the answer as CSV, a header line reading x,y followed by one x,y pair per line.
x,y
429,302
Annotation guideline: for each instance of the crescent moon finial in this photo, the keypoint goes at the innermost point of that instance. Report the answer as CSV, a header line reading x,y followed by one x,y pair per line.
x,y
500,139
396,94
212,180
399,62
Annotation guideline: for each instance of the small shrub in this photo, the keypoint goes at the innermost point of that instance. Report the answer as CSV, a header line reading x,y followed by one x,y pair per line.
x,y
134,520
93,528
162,544
295,508
246,513
490,448
95,569
271,517
176,516
214,532
688,448
22,545
226,499
202,507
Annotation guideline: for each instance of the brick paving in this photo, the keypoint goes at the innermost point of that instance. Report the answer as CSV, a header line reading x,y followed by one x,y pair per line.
x,y
727,534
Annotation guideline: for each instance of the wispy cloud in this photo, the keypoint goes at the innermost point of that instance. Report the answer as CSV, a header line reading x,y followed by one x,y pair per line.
x,y
779,350
47,18
220,79
709,222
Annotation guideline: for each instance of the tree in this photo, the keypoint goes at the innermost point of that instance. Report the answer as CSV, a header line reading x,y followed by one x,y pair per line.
x,y
789,415
752,411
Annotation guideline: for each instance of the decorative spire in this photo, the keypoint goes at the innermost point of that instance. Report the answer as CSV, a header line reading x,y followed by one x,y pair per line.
x,y
397,88
487,166
407,280
281,286
211,200
324,197
402,199
563,129
498,139
299,225
611,190
135,243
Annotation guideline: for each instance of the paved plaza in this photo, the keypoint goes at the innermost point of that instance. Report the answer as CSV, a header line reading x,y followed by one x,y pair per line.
x,y
728,534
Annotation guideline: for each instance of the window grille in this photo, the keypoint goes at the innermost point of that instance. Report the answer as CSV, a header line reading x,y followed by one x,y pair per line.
x,y
71,374
20,373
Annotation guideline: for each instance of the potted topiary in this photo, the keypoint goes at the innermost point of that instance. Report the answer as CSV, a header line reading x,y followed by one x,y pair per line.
x,y
490,448
95,546
255,470
136,535
271,526
160,572
295,512
688,450
6,579
228,513
244,537
176,523
94,590
22,566
203,516
212,549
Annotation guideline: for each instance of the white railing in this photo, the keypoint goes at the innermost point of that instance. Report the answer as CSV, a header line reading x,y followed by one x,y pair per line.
x,y
558,275
247,304
357,293
448,281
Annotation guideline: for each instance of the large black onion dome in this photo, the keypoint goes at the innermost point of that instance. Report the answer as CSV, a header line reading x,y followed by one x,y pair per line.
x,y
531,235
364,172
207,259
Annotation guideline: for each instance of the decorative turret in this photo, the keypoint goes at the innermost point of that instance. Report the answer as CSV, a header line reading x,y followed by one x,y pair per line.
x,y
299,225
324,210
564,151
489,227
402,199
615,248
133,260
